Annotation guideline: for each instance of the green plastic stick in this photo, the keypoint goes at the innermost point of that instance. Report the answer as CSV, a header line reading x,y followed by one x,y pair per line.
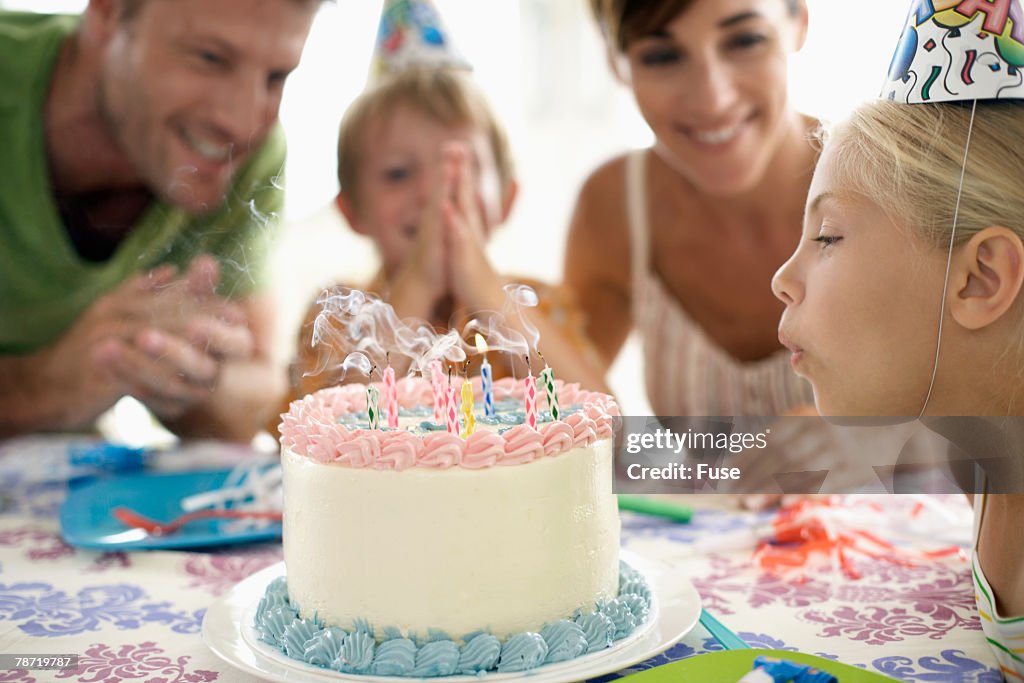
x,y
656,507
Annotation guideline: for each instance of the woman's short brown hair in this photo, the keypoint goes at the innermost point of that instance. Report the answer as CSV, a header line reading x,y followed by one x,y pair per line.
x,y
623,21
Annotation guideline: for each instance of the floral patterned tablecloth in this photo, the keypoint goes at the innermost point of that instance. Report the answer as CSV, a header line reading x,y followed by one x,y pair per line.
x,y
138,616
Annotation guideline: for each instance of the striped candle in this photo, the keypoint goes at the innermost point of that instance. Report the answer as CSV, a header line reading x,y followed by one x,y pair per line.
x,y
373,406
530,397
547,378
437,385
451,409
468,419
391,397
486,377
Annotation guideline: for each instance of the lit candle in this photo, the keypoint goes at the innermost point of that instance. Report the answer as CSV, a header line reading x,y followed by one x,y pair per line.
x,y
530,395
547,378
391,396
437,384
486,377
451,406
468,421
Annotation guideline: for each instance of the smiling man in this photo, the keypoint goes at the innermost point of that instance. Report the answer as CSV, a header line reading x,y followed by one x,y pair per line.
x,y
138,181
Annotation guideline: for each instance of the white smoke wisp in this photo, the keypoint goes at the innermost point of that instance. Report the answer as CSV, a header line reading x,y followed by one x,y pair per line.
x,y
358,362
443,347
518,297
498,335
356,321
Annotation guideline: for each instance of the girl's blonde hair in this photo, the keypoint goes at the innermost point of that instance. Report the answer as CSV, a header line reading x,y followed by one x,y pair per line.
x,y
908,159
450,97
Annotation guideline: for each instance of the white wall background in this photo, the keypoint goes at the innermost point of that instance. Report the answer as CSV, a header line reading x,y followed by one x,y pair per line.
x,y
542,65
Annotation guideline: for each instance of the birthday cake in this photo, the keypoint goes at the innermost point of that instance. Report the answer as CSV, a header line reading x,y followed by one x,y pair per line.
x,y
423,550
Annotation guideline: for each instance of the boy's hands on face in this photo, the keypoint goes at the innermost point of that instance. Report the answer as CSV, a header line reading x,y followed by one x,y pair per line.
x,y
449,259
473,281
422,280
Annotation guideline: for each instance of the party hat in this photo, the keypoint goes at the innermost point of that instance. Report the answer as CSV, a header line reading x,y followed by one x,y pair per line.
x,y
411,35
959,50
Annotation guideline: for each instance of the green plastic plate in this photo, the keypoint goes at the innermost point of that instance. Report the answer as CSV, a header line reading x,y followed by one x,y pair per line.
x,y
730,666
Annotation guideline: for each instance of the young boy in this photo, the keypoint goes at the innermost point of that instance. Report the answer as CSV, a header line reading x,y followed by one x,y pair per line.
x,y
426,172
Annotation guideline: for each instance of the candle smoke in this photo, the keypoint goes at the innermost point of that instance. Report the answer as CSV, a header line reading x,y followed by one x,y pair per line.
x,y
367,326
518,297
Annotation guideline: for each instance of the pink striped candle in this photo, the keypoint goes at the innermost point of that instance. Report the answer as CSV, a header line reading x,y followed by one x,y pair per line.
x,y
451,408
391,397
437,385
530,397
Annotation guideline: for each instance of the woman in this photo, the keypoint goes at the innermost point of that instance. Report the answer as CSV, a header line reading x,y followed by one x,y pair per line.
x,y
680,241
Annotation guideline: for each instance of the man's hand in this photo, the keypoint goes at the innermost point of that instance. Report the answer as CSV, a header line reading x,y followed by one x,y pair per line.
x,y
171,358
67,381
159,336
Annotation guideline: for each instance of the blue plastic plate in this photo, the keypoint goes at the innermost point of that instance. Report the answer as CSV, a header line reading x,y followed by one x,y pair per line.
x,y
86,520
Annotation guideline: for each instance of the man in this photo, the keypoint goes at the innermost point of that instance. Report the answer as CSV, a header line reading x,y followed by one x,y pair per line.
x,y
137,180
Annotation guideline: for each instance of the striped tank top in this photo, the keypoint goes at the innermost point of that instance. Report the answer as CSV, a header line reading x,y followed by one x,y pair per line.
x,y
1004,635
687,372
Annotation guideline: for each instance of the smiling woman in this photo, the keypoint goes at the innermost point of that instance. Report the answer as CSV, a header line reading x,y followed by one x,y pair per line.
x,y
682,239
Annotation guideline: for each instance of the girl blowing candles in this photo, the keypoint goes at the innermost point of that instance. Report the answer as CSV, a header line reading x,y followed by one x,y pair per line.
x,y
904,294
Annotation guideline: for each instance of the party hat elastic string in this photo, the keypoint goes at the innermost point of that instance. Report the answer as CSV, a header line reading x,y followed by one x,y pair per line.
x,y
949,260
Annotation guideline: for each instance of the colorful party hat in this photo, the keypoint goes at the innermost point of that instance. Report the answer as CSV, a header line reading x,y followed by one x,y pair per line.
x,y
959,50
411,35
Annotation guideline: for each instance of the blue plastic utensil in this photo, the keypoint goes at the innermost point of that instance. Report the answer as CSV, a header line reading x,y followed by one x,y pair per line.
x,y
726,638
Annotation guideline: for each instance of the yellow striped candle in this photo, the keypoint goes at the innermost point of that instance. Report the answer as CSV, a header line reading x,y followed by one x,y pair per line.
x,y
468,421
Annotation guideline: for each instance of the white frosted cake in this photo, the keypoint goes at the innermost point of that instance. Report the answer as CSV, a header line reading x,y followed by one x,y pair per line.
x,y
494,550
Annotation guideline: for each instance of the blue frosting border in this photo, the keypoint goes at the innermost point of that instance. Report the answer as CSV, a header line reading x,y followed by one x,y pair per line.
x,y
358,651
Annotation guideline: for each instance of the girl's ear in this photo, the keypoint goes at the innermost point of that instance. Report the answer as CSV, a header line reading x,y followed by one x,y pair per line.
x,y
345,205
987,274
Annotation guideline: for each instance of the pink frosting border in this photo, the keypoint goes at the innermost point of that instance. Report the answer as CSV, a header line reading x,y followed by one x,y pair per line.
x,y
310,428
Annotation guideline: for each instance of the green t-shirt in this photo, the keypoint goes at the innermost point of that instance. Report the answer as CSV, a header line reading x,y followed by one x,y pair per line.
x,y
44,284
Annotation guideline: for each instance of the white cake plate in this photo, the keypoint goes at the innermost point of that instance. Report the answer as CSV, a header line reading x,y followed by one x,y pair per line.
x,y
228,632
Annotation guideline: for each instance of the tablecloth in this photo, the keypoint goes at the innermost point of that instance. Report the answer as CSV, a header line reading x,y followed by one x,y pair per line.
x,y
138,616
